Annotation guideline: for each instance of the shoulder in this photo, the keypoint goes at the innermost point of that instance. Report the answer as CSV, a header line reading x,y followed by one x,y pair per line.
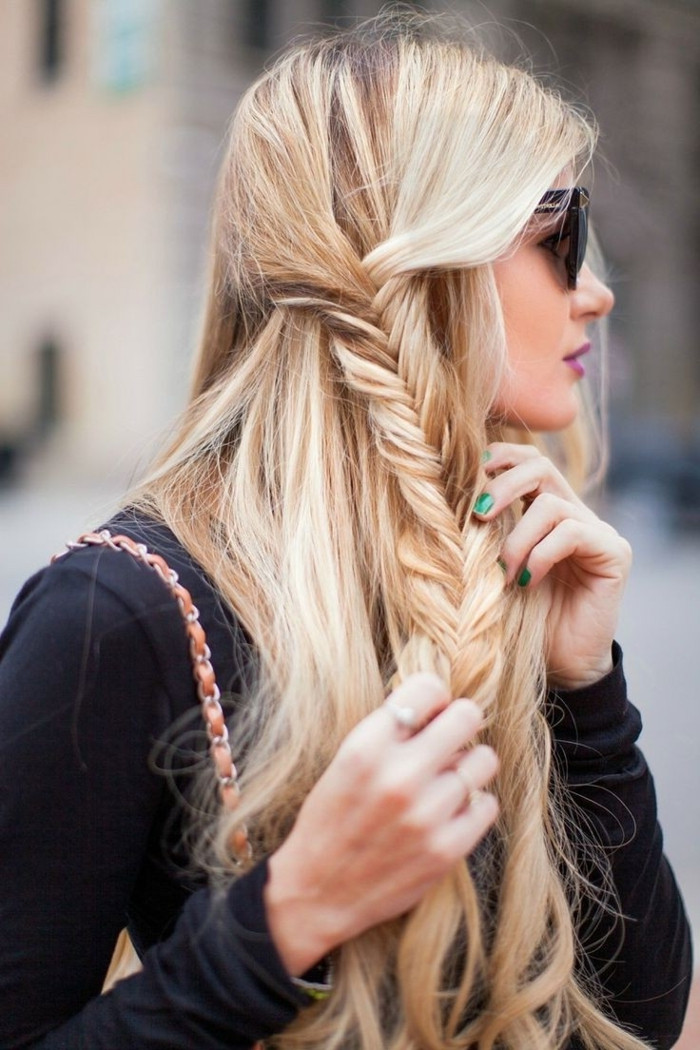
x,y
92,595
98,614
105,587
231,647
88,636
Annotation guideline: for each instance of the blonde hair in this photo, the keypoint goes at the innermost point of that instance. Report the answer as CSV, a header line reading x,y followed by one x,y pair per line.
x,y
323,475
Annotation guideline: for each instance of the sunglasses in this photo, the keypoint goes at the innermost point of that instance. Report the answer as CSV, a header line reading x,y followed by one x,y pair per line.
x,y
573,204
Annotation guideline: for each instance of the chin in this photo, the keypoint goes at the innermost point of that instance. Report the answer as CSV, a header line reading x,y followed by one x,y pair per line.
x,y
550,424
543,418
545,404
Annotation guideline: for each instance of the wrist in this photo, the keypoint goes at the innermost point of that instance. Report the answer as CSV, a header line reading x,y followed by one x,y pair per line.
x,y
303,930
317,983
582,676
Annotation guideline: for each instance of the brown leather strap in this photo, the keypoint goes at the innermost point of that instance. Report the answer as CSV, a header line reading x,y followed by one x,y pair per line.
x,y
202,669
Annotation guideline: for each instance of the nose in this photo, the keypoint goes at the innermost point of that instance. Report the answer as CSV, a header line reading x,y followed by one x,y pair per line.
x,y
591,298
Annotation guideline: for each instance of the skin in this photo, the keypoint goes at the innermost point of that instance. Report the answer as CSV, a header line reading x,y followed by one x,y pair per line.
x,y
545,321
580,561
395,811
389,817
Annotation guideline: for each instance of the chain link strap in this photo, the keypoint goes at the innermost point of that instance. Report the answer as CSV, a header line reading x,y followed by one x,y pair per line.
x,y
202,669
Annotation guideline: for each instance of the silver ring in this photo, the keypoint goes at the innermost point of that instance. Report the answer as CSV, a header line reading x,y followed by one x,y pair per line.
x,y
472,794
403,716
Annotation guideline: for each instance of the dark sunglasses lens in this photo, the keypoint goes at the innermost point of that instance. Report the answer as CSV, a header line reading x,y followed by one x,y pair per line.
x,y
582,239
573,204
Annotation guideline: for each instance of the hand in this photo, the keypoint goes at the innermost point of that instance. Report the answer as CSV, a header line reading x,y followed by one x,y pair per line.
x,y
561,545
394,811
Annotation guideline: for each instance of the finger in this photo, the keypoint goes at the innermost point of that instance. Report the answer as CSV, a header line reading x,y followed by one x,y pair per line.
x,y
477,767
454,787
542,516
525,480
440,740
474,772
598,551
499,455
411,705
458,837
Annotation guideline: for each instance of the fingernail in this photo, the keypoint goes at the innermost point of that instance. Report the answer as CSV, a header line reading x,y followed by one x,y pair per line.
x,y
524,578
486,456
484,503
501,564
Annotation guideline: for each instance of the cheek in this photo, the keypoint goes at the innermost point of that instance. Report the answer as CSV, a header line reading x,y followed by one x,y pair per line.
x,y
537,390
535,344
535,308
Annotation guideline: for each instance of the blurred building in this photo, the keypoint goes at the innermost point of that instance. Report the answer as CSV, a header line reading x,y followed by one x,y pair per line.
x,y
636,63
113,112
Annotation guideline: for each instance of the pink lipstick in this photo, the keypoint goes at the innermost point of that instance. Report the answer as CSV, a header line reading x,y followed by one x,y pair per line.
x,y
572,360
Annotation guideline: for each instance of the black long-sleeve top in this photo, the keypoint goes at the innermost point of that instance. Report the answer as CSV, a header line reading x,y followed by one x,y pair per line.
x,y
94,675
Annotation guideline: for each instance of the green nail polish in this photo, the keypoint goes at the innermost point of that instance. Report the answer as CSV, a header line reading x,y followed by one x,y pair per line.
x,y
524,578
486,456
501,564
484,503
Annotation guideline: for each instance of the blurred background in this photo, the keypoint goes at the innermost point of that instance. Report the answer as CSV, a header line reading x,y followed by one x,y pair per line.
x,y
113,113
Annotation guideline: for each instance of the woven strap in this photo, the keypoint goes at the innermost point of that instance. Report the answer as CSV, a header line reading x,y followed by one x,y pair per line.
x,y
202,669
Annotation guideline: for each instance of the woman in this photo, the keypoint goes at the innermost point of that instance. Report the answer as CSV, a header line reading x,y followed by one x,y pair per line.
x,y
357,500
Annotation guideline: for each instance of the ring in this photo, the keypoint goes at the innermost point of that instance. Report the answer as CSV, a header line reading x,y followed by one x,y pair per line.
x,y
403,716
472,794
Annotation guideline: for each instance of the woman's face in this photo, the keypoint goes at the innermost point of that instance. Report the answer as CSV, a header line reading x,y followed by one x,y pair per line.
x,y
546,326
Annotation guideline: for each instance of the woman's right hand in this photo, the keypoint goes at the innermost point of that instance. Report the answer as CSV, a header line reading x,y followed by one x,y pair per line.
x,y
394,811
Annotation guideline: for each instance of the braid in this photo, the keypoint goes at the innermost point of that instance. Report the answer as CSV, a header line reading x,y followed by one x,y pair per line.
x,y
428,542
440,557
456,627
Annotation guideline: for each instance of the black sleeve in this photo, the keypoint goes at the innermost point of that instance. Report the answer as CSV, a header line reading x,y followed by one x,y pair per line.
x,y
216,984
82,700
641,958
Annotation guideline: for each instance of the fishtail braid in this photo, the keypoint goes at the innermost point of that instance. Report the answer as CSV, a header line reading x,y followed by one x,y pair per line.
x,y
428,545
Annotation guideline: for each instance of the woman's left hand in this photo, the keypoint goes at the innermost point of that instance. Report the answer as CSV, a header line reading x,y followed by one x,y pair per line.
x,y
560,544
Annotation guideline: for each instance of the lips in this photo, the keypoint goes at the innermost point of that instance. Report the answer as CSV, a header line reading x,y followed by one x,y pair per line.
x,y
573,359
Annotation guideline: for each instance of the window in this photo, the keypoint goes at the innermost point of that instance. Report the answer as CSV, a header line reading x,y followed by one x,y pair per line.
x,y
48,404
51,30
258,24
335,12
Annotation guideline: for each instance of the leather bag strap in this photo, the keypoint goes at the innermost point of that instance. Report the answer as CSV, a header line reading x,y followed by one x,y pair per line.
x,y
202,670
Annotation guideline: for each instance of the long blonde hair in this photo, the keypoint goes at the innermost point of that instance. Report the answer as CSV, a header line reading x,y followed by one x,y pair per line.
x,y
323,475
